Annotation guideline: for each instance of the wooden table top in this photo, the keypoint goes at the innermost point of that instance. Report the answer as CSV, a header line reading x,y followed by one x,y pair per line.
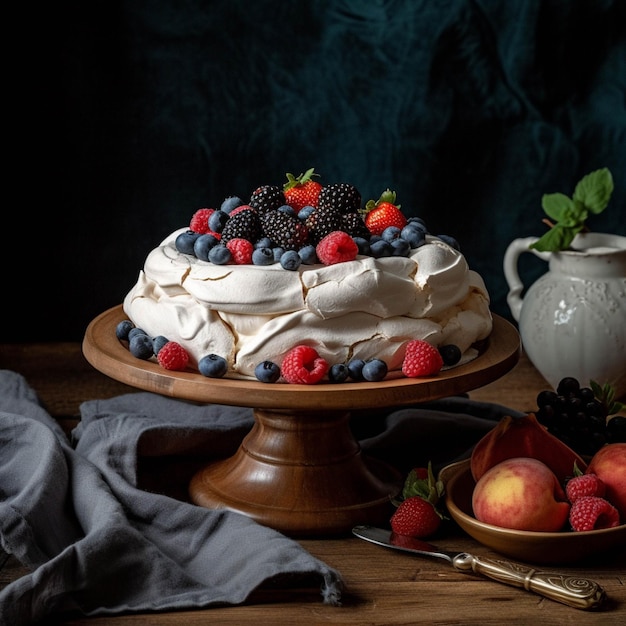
x,y
382,586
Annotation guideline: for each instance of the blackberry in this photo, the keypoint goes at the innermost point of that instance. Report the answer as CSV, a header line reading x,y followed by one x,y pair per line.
x,y
267,198
581,416
243,225
342,197
353,224
322,221
286,231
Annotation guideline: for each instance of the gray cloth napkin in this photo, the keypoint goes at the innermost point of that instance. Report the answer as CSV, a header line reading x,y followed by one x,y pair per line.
x,y
99,524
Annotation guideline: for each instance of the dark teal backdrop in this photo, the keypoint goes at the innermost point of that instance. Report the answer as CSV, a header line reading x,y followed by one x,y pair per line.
x,y
147,110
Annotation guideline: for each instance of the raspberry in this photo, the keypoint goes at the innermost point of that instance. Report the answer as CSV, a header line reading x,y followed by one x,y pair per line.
x,y
200,221
336,247
303,365
415,517
241,251
593,513
421,359
584,485
172,356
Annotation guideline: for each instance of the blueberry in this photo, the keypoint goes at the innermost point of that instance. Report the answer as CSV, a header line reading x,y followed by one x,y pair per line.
x,y
230,203
289,210
451,241
400,247
290,260
374,370
390,233
123,328
220,255
308,255
140,346
185,241
338,373
380,248
305,211
213,366
450,354
264,242
278,252
363,245
267,372
414,236
136,331
262,256
419,223
158,342
217,221
355,369
203,245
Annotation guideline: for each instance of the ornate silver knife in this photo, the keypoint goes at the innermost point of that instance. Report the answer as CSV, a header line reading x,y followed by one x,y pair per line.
x,y
575,591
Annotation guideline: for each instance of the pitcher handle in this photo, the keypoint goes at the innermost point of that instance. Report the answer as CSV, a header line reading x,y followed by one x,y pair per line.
x,y
511,256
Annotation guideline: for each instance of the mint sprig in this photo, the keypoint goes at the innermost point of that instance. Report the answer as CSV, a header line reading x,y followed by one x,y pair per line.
x,y
568,215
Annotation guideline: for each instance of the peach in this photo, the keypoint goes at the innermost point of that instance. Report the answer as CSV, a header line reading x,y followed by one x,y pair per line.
x,y
521,493
609,465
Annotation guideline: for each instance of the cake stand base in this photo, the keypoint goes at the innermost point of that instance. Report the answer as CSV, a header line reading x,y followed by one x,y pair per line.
x,y
300,474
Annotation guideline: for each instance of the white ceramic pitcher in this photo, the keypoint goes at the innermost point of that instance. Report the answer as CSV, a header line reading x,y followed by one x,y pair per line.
x,y
572,320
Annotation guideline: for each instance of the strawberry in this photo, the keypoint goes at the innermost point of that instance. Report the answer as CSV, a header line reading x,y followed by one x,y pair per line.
x,y
382,213
421,359
584,485
302,191
417,514
415,517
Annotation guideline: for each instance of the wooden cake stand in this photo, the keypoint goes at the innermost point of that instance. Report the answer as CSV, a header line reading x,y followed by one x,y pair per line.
x,y
299,470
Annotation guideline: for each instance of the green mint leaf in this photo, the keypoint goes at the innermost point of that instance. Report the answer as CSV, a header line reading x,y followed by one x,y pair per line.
x,y
559,237
594,190
558,206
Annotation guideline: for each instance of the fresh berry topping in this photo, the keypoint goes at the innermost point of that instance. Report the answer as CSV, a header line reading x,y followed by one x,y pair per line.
x,y
230,203
303,365
451,241
290,260
242,224
415,237
336,247
322,221
263,256
122,329
241,251
136,331
200,221
185,241
220,255
285,230
451,354
213,366
584,485
172,356
203,244
308,254
303,190
342,197
353,224
374,370
217,221
355,369
267,372
415,517
421,359
267,198
593,513
384,212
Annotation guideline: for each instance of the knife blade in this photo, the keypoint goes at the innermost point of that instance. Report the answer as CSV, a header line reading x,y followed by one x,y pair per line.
x,y
574,591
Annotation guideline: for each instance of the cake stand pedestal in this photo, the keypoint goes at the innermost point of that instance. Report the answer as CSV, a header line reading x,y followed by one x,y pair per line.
x,y
299,470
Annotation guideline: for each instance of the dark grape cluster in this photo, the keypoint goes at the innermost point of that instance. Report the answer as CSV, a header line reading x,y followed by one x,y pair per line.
x,y
579,418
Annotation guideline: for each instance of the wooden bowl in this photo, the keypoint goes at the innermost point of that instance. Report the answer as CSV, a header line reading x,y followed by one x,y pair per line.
x,y
532,547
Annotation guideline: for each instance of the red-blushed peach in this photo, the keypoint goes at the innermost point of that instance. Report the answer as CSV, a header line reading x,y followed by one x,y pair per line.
x,y
521,493
609,465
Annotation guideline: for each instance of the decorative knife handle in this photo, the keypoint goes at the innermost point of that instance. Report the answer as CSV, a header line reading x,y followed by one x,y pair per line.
x,y
580,593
